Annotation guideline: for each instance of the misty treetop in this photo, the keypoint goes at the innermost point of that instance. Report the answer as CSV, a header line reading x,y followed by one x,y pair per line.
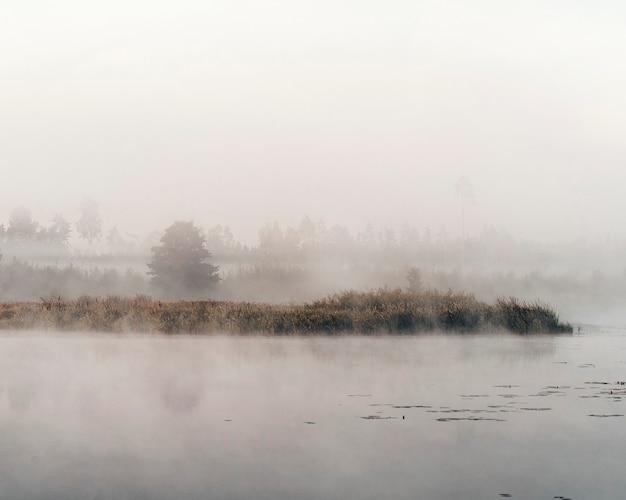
x,y
179,265
89,226
23,231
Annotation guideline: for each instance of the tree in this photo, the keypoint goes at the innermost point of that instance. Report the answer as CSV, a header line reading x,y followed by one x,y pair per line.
x,y
414,277
60,230
221,240
117,244
89,226
179,264
22,227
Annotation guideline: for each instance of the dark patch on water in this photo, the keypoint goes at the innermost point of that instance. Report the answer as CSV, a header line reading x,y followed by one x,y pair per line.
x,y
536,409
471,419
548,393
506,495
411,406
604,415
378,417
391,405
308,422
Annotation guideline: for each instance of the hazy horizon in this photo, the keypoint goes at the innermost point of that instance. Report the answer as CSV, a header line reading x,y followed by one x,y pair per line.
x,y
240,113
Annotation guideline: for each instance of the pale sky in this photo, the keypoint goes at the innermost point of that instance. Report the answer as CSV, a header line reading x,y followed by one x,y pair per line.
x,y
246,112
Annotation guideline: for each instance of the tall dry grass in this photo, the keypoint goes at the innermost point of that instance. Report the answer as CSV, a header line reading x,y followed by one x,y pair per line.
x,y
390,311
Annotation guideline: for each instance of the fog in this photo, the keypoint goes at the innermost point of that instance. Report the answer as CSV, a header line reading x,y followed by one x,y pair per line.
x,y
358,119
317,146
89,416
242,113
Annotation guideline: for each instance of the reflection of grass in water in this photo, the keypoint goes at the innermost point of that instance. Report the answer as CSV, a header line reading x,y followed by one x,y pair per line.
x,y
381,311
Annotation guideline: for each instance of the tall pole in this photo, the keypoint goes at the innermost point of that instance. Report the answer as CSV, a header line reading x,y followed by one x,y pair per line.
x,y
462,236
463,189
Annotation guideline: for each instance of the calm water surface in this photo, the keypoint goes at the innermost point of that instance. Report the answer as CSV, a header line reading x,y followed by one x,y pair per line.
x,y
468,417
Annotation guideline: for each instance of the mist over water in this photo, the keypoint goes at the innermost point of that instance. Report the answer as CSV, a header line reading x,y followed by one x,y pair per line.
x,y
318,147
90,416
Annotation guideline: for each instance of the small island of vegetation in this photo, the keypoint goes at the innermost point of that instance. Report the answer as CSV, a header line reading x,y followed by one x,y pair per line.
x,y
383,311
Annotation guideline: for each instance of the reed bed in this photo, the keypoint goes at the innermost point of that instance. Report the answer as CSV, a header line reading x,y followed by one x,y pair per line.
x,y
382,311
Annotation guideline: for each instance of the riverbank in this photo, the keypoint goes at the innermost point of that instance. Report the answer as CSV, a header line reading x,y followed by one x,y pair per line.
x,y
382,311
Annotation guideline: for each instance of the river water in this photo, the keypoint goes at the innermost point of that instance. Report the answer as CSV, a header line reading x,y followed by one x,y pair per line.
x,y
86,416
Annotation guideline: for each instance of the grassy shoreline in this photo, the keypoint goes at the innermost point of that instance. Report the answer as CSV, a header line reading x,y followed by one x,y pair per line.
x,y
382,311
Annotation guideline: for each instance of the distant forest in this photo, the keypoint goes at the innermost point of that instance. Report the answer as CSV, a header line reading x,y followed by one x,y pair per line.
x,y
583,279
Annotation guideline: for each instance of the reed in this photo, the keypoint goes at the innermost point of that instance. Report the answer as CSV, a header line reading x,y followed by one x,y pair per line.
x,y
390,311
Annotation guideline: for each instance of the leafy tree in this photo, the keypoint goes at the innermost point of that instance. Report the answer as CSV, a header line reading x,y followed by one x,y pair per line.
x,y
221,240
308,233
117,244
89,226
59,231
22,227
179,264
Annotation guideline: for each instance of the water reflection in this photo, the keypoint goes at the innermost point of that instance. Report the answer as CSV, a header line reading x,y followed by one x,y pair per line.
x,y
87,416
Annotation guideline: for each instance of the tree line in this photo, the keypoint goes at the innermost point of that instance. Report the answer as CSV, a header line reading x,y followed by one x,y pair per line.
x,y
22,229
308,261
